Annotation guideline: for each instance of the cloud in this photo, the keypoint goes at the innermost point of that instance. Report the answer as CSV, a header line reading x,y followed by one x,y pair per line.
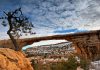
x,y
3,35
51,15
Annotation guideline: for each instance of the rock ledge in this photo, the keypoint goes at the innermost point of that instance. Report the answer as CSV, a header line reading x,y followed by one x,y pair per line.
x,y
13,60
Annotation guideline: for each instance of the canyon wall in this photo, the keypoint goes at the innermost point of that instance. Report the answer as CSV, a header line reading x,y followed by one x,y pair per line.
x,y
86,43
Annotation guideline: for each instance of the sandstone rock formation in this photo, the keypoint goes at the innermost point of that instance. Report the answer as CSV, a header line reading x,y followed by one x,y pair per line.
x,y
86,43
13,60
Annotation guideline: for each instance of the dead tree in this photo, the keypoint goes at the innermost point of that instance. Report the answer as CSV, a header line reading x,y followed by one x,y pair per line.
x,y
18,24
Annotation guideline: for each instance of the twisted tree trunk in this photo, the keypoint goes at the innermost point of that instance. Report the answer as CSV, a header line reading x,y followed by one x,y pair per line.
x,y
13,41
10,35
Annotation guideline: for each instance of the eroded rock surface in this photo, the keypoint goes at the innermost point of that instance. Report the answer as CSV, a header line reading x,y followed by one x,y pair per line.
x,y
87,43
13,60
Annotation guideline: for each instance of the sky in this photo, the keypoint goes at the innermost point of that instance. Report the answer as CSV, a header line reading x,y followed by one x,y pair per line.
x,y
52,17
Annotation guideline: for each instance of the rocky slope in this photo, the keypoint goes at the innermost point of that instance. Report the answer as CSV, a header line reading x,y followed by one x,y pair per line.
x,y
13,60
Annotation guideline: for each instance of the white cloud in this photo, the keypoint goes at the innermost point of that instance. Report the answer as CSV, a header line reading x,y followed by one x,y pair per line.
x,y
50,15
46,42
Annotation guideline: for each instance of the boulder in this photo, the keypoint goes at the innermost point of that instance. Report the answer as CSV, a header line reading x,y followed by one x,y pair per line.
x,y
13,60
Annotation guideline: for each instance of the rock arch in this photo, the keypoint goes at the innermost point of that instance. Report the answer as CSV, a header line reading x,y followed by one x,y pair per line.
x,y
87,43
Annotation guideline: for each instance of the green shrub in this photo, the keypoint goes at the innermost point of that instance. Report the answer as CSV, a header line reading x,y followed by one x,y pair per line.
x,y
84,64
71,64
